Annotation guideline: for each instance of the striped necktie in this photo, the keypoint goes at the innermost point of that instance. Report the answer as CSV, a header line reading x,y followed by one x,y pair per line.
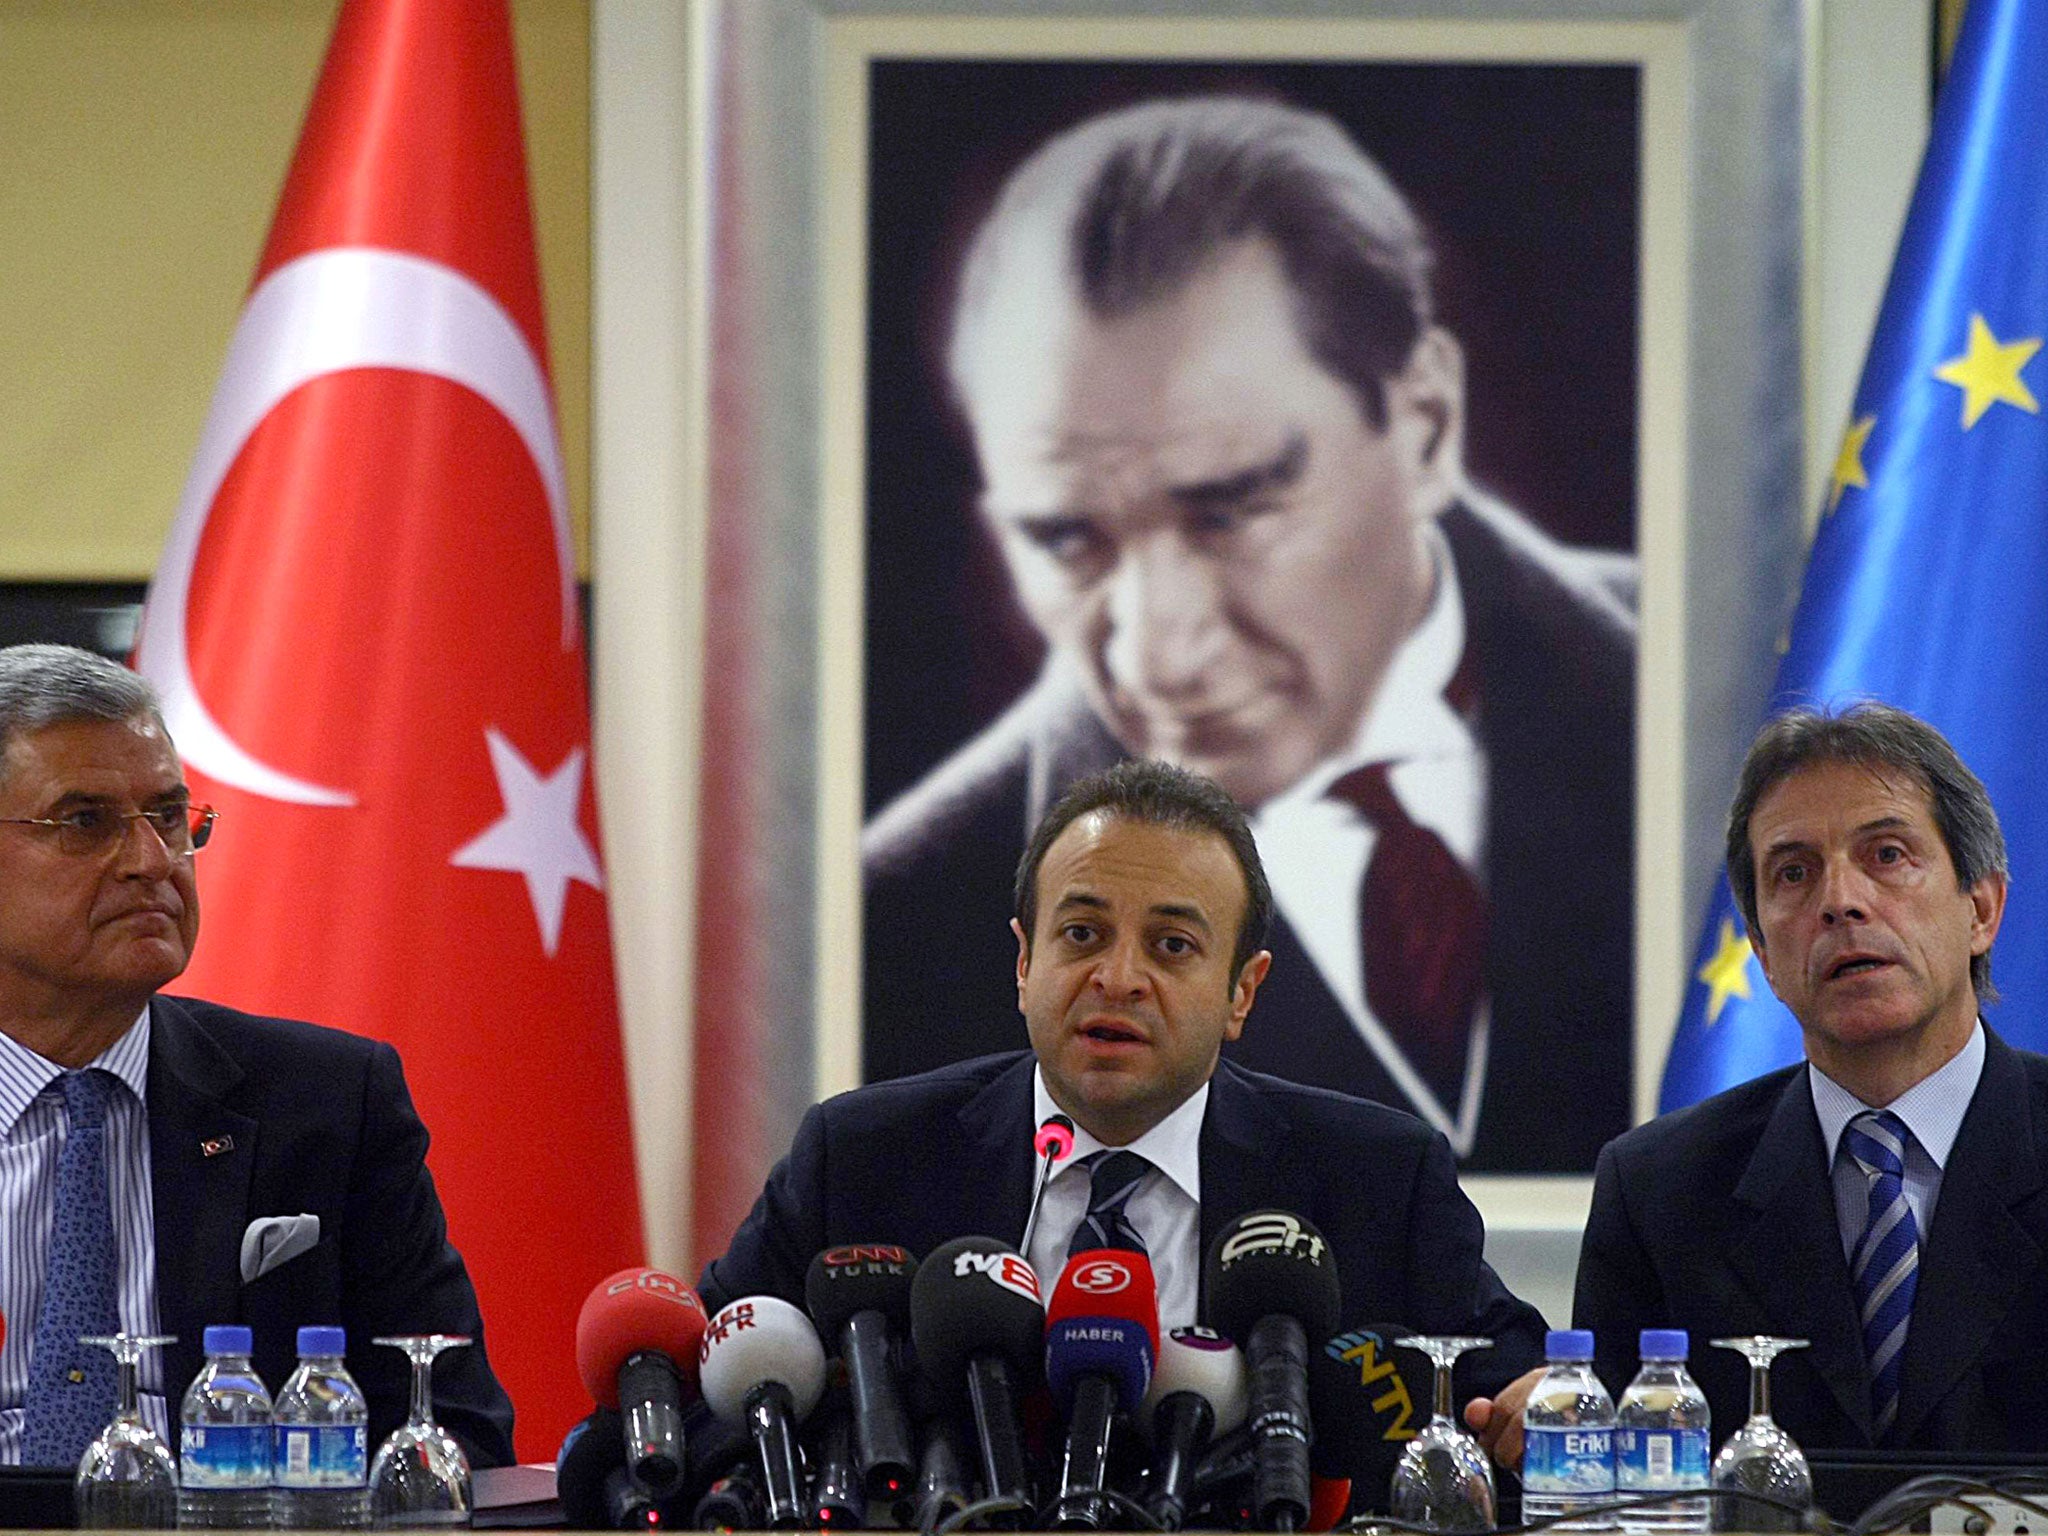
x,y
1113,1177
71,1386
1885,1265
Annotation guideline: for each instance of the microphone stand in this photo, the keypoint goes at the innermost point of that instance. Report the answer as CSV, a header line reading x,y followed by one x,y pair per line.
x,y
1055,1140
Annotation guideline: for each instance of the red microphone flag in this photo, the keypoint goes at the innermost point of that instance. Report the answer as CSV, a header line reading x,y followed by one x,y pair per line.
x,y
366,633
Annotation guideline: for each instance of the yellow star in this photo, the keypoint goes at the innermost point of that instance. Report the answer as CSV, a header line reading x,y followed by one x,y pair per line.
x,y
1990,372
1848,468
1727,973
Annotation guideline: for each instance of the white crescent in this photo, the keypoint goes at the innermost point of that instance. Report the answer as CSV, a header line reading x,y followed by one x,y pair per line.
x,y
333,310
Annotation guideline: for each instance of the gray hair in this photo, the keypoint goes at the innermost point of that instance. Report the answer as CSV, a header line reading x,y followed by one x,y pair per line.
x,y
1873,736
1142,198
46,685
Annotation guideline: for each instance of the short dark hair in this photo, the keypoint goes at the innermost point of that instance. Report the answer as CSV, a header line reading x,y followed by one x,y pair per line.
x,y
1147,196
1159,795
46,685
1882,738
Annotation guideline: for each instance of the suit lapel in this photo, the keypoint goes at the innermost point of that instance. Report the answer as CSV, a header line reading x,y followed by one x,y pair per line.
x,y
1791,1260
1247,1164
202,1161
1973,1261
996,1126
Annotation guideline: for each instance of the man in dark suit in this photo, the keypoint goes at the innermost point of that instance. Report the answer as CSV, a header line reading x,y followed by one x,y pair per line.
x,y
1888,1200
1221,443
1140,913
274,1172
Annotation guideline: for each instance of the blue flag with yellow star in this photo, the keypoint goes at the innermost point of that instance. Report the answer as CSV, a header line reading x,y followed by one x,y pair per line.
x,y
1927,586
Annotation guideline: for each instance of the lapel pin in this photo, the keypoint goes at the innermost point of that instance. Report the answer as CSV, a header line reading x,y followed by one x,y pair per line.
x,y
213,1146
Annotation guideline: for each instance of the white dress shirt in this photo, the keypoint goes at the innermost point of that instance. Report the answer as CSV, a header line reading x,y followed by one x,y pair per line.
x,y
33,1130
1316,849
1166,1210
1933,1111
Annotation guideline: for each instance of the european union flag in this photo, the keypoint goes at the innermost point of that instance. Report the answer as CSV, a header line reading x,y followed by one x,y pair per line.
x,y
1927,586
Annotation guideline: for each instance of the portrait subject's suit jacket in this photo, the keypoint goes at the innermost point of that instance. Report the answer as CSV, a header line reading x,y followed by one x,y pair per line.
x,y
1551,632
921,1160
1720,1219
253,1117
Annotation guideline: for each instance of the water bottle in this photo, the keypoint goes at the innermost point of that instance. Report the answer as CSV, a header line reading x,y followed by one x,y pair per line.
x,y
1660,1437
1568,1430
320,1440
224,1444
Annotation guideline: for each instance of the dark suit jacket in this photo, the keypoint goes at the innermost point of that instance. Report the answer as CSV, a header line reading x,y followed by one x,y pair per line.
x,y
1720,1219
1552,632
304,1119
924,1159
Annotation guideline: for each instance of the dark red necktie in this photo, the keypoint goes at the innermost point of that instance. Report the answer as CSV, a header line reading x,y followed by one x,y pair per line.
x,y
1422,930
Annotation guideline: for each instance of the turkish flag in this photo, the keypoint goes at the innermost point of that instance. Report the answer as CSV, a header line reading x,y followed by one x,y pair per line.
x,y
366,633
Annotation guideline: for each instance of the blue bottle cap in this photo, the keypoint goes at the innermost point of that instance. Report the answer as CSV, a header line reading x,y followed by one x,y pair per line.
x,y
1569,1344
227,1339
1664,1344
334,1341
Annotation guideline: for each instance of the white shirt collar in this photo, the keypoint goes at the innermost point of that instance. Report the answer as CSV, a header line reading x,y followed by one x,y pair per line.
x,y
1932,1108
1173,1146
24,1074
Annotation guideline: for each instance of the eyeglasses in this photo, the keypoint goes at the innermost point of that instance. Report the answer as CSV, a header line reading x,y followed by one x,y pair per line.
x,y
97,829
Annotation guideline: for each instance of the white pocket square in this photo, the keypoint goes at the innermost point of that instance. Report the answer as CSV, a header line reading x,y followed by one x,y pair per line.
x,y
274,1240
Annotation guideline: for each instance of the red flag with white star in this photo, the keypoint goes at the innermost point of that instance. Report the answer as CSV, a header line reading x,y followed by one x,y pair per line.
x,y
366,632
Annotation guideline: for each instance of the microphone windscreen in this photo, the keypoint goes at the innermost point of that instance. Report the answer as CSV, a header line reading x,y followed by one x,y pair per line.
x,y
976,1296
1269,1263
760,1339
594,1450
1202,1361
1367,1400
859,1277
1055,1138
634,1310
1103,1319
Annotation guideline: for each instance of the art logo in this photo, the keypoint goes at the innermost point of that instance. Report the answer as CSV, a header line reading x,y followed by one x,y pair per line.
x,y
1273,1232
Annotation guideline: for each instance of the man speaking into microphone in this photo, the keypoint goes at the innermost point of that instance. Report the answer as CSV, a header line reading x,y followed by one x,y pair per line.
x,y
1141,913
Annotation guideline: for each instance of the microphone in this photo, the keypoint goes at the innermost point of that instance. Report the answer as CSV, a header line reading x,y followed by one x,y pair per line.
x,y
1272,1283
941,1482
1198,1392
1102,1335
732,1503
761,1365
1054,1144
839,1500
1368,1399
976,1317
859,1294
636,1352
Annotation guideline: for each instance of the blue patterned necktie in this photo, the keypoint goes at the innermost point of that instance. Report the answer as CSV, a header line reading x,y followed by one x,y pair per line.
x,y
1885,1266
1113,1177
72,1386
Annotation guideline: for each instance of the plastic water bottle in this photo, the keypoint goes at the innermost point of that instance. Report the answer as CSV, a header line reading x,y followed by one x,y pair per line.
x,y
1660,1437
1568,1429
224,1445
320,1440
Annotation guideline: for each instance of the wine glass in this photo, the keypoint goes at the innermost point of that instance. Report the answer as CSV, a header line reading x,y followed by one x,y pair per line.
x,y
1760,1457
126,1478
420,1476
1444,1480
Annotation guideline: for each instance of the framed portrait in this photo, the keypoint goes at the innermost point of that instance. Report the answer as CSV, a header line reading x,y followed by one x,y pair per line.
x,y
1027,616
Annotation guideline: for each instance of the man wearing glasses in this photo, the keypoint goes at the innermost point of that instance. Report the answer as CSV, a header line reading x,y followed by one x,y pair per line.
x,y
166,1163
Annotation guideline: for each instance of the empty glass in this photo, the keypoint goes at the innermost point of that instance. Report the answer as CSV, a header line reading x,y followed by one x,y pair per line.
x,y
126,1478
1760,1457
1444,1480
420,1476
